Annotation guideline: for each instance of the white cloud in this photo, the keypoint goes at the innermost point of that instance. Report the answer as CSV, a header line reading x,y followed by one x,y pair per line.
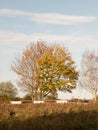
x,y
54,18
11,12
74,42
49,18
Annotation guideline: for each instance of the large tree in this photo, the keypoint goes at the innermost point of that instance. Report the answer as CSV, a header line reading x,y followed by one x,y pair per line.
x,y
26,66
7,90
89,72
57,71
39,61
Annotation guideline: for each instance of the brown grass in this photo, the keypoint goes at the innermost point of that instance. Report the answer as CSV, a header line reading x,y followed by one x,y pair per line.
x,y
49,116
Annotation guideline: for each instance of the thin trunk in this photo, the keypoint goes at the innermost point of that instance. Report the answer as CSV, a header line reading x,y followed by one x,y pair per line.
x,y
36,95
32,97
41,95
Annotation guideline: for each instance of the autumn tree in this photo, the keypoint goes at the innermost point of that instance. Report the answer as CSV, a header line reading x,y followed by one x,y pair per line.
x,y
57,71
26,66
45,69
7,90
89,72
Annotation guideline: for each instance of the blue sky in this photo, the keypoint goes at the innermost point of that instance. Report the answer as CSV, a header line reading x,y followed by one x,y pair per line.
x,y
71,23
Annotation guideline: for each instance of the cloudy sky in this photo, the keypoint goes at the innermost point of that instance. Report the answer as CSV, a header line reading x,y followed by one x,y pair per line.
x,y
72,23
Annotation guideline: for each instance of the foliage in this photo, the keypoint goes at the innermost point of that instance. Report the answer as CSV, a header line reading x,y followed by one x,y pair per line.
x,y
89,73
7,90
45,69
57,71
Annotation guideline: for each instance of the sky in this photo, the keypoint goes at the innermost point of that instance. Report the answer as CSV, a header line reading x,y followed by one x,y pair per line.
x,y
71,23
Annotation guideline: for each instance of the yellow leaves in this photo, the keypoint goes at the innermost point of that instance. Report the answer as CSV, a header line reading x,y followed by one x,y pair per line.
x,y
57,70
61,53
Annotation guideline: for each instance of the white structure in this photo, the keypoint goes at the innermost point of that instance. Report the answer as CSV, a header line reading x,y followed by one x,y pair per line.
x,y
61,101
38,102
16,102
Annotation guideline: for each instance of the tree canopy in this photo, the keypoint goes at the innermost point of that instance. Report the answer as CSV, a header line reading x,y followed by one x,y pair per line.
x,y
57,71
45,69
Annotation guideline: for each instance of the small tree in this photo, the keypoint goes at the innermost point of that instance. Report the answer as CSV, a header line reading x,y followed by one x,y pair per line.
x,y
7,90
89,72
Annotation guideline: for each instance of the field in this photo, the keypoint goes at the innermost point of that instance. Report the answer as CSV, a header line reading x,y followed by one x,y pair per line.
x,y
49,116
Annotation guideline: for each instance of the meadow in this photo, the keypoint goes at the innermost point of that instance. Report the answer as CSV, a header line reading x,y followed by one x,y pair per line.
x,y
49,116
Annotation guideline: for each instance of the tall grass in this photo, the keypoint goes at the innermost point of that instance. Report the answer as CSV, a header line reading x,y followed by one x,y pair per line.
x,y
49,116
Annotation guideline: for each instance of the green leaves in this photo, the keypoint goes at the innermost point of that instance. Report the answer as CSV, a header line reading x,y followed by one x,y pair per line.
x,y
57,71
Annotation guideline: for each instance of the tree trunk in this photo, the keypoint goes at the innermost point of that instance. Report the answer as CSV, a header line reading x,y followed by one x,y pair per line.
x,y
41,95
32,97
36,95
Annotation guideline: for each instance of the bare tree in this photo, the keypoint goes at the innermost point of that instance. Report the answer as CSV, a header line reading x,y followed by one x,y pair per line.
x,y
26,66
89,72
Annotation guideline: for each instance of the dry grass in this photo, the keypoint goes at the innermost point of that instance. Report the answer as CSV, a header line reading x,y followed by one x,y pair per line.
x,y
49,116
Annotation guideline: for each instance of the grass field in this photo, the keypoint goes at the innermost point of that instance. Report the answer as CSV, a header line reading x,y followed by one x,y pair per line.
x,y
49,116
